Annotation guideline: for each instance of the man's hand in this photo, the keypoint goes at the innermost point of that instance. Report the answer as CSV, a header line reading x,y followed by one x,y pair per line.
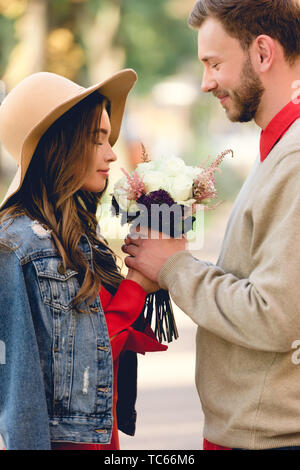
x,y
148,255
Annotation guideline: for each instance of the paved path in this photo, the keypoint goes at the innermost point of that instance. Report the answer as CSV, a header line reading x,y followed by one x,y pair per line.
x,y
168,407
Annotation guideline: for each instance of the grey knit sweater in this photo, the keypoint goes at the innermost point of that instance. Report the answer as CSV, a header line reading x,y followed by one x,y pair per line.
x,y
247,308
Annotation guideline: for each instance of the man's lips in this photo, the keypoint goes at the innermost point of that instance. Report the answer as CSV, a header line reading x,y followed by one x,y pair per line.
x,y
222,98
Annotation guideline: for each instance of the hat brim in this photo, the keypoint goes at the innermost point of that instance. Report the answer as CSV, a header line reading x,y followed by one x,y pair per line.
x,y
116,89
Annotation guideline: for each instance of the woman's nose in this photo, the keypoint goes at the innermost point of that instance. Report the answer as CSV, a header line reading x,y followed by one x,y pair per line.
x,y
110,154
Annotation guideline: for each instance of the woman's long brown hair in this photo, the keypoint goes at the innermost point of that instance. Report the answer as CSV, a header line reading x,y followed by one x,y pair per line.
x,y
51,194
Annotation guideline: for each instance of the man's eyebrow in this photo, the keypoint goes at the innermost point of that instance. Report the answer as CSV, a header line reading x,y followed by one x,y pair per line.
x,y
207,58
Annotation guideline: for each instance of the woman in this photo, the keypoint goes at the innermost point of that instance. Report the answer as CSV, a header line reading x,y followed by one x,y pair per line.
x,y
65,310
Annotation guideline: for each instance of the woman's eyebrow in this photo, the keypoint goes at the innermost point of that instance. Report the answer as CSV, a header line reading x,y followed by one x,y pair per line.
x,y
101,131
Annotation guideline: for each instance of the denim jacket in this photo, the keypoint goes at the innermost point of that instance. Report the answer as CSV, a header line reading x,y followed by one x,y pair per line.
x,y
56,367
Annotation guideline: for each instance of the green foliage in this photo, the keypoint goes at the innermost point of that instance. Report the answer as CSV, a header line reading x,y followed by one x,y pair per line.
x,y
62,13
156,43
61,8
7,41
94,6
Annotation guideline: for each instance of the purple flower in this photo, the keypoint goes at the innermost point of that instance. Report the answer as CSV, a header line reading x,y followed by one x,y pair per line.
x,y
156,197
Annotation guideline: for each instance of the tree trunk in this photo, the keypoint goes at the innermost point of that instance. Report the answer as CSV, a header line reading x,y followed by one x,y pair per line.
x,y
103,57
28,55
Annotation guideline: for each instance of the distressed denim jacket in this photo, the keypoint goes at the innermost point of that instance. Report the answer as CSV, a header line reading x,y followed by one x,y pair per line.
x,y
56,367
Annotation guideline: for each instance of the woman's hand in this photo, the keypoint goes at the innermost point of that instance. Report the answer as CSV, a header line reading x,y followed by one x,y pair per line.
x,y
145,283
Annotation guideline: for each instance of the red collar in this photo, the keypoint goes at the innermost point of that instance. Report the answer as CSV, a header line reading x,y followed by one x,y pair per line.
x,y
277,128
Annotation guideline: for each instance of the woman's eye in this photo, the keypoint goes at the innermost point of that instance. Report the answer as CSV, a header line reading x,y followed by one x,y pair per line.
x,y
215,66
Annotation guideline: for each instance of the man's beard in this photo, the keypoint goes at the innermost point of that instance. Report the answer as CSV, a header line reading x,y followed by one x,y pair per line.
x,y
247,97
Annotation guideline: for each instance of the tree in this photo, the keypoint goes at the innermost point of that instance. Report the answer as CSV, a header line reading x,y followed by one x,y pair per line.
x,y
156,38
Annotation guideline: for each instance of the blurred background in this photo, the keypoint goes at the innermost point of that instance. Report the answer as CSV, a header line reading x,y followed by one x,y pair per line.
x,y
86,41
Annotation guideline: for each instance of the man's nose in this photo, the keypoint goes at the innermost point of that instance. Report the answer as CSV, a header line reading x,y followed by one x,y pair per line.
x,y
208,82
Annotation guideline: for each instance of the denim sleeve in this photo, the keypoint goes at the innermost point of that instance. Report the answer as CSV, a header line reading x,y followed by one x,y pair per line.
x,y
24,422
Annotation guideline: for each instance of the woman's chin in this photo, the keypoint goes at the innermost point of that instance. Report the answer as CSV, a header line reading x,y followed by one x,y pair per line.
x,y
94,188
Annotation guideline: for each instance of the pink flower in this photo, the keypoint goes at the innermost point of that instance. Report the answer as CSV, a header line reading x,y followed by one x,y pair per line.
x,y
136,185
204,184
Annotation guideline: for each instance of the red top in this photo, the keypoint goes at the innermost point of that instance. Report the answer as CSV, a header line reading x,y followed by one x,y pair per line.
x,y
277,127
121,311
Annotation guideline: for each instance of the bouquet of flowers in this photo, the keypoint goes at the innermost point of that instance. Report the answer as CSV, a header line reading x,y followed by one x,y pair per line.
x,y
165,183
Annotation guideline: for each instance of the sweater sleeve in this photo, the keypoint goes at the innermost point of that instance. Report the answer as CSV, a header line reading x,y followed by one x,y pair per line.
x,y
262,311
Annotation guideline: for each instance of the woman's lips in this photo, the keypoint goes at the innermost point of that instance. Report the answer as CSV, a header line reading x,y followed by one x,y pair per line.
x,y
104,172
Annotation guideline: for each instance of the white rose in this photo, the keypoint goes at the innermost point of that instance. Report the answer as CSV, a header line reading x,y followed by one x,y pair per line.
x,y
193,172
120,193
172,166
122,182
143,168
122,200
180,188
132,207
154,181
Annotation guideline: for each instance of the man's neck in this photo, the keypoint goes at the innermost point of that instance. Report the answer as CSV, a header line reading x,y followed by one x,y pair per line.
x,y
282,89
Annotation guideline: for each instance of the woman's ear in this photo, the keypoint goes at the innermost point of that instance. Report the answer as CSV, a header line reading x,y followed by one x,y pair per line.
x,y
263,50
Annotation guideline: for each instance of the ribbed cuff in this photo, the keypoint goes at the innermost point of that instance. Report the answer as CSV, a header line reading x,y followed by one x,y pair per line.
x,y
171,266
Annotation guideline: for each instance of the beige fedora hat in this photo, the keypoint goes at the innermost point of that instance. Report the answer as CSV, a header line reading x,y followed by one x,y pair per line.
x,y
39,100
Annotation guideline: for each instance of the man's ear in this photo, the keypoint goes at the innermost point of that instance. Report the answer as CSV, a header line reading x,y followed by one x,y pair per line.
x,y
263,52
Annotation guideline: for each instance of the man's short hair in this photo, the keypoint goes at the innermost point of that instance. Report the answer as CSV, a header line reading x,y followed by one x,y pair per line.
x,y
247,19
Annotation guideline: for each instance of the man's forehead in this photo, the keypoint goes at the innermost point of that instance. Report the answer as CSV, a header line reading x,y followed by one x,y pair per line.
x,y
213,40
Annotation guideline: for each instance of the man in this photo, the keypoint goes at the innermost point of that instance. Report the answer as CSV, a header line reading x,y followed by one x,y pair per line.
x,y
247,306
